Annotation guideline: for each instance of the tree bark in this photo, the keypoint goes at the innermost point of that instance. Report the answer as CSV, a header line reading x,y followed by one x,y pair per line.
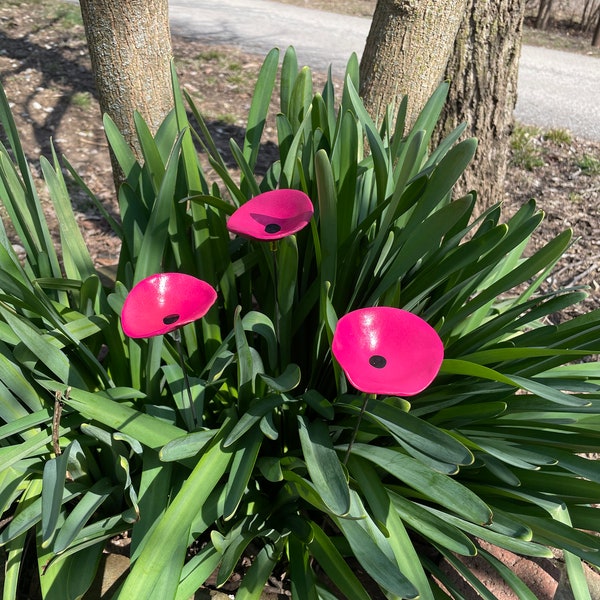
x,y
406,52
543,17
130,49
483,73
596,37
587,16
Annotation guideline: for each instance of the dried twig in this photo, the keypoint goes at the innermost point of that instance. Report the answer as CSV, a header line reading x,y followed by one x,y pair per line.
x,y
585,273
58,406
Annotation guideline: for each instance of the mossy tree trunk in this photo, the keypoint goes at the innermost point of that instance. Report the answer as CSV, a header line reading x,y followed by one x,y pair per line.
x,y
130,49
483,72
407,50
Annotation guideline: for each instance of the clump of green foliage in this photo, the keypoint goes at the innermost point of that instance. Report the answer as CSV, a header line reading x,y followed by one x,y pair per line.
x,y
97,436
589,164
559,136
527,151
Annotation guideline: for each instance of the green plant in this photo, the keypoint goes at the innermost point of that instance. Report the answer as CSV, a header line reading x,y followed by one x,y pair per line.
x,y
211,54
575,197
227,118
69,16
526,147
590,165
82,99
490,451
558,136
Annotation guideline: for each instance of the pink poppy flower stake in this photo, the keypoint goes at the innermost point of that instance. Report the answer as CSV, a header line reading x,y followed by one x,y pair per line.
x,y
385,350
269,217
272,215
163,303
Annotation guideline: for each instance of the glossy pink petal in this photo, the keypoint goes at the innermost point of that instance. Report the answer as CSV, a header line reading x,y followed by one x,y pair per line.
x,y
272,215
163,302
387,350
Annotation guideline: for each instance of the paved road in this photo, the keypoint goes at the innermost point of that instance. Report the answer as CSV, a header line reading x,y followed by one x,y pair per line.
x,y
556,89
559,89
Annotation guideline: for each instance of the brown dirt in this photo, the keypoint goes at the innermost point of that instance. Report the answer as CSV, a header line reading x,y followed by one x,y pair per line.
x,y
45,70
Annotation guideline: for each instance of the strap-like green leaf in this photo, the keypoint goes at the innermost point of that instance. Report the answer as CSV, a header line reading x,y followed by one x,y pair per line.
x,y
402,546
260,106
333,563
186,446
197,570
327,217
324,466
155,236
289,72
516,545
242,466
54,479
160,562
153,162
432,527
302,577
122,151
463,367
286,382
150,431
373,551
77,519
257,410
442,489
76,257
69,575
256,577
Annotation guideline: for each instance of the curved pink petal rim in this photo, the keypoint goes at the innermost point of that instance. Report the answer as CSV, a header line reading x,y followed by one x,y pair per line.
x,y
386,350
163,302
272,215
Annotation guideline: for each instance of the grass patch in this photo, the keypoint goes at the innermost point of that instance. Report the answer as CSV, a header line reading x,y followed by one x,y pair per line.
x,y
590,165
575,197
527,151
559,136
81,99
234,73
212,55
68,15
227,118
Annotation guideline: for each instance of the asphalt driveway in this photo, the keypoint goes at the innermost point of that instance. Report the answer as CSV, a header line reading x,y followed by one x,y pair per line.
x,y
555,89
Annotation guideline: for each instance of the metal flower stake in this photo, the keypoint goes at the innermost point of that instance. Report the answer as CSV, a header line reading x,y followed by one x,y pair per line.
x,y
385,350
269,217
162,304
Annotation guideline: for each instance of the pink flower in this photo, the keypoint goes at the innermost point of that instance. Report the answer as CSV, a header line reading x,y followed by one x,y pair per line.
x,y
163,302
387,350
272,215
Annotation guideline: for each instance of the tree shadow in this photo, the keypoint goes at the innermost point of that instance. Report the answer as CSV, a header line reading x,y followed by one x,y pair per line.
x,y
65,69
54,63
221,133
58,72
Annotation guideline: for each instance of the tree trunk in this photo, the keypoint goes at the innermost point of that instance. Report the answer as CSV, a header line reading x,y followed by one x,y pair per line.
x,y
130,49
587,16
406,52
543,17
596,38
483,73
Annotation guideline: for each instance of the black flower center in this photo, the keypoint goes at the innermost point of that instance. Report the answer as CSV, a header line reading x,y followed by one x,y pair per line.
x,y
170,319
377,361
272,228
